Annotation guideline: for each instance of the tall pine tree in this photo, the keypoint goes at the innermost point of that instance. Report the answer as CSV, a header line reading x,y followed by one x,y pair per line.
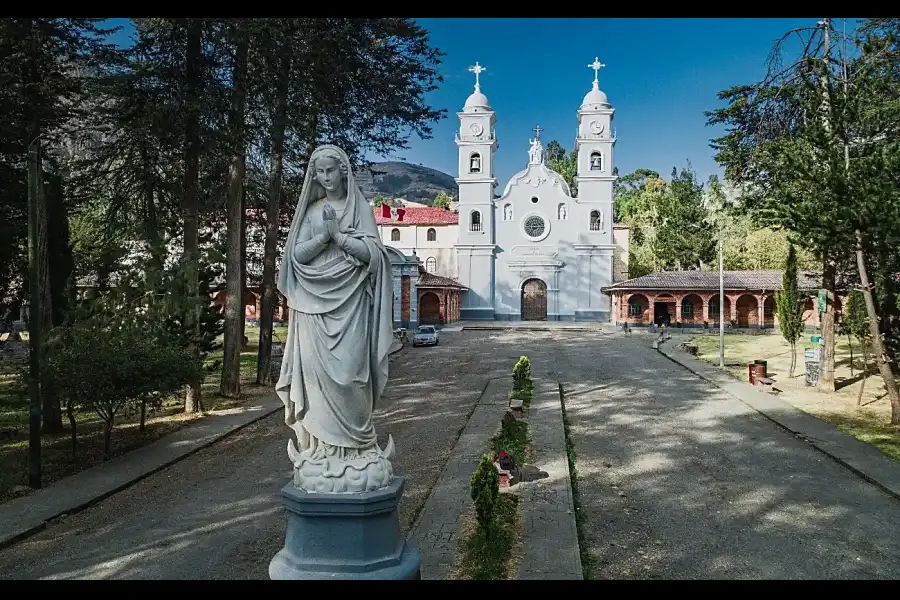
x,y
789,306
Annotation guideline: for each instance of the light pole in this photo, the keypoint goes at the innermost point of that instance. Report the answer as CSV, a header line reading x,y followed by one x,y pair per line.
x,y
37,264
721,300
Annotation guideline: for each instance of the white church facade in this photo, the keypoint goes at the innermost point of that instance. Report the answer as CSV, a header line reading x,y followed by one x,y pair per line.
x,y
537,252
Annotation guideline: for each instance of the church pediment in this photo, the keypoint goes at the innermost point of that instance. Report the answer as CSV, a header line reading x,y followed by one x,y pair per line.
x,y
537,176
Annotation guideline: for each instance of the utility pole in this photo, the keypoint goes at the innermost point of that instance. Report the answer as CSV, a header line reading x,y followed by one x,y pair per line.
x,y
721,300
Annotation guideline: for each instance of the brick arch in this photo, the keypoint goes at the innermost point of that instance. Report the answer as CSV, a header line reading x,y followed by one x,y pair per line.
x,y
641,312
747,311
691,309
769,311
714,308
429,309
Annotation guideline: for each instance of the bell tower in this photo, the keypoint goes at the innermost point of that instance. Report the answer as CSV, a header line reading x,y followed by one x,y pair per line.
x,y
595,144
594,204
477,144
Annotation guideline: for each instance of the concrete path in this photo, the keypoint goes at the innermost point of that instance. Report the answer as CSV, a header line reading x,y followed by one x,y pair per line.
x,y
681,480
436,531
29,514
865,460
547,504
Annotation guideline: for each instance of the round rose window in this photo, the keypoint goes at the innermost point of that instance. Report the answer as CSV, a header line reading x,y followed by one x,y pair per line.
x,y
534,226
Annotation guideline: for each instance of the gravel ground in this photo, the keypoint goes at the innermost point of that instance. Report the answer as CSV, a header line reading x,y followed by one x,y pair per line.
x,y
217,514
677,479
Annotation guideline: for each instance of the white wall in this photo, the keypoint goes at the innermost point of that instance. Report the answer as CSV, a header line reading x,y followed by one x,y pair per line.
x,y
415,238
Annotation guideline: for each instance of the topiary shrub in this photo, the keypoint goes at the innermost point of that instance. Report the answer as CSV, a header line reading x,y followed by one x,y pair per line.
x,y
485,490
522,375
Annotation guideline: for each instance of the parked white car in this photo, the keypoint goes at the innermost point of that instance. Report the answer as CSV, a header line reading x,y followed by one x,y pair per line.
x,y
426,335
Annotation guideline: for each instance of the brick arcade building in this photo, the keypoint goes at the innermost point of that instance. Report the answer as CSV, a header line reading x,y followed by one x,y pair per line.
x,y
691,298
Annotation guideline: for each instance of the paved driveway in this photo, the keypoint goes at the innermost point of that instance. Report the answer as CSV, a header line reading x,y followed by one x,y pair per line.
x,y
678,479
682,481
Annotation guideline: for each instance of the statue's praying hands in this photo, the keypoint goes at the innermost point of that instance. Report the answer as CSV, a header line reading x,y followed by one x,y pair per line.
x,y
329,218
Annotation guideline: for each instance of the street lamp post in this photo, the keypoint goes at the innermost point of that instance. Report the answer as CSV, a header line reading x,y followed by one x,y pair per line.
x,y
721,301
37,264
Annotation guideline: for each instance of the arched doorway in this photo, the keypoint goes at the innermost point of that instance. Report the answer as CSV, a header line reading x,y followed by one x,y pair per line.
x,y
429,309
747,311
534,300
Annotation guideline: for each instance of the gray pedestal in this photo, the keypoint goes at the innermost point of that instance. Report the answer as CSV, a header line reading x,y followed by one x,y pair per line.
x,y
344,536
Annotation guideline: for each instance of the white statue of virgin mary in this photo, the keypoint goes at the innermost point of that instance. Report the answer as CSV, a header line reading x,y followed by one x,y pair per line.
x,y
336,276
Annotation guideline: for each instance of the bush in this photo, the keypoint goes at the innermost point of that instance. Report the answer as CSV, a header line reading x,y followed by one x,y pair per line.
x,y
522,375
104,366
485,490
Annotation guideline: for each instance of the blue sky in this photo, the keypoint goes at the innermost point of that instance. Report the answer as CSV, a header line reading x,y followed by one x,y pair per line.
x,y
661,75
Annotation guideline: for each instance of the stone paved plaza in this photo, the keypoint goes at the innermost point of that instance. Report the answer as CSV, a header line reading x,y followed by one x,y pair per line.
x,y
678,479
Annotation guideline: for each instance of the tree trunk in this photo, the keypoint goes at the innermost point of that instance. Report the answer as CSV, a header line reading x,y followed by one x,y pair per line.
x,y
884,367
850,344
276,173
150,219
50,409
826,376
865,373
230,386
190,206
70,412
793,359
107,438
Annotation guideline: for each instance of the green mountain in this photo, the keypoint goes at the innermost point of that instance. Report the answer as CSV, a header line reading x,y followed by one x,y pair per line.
x,y
413,183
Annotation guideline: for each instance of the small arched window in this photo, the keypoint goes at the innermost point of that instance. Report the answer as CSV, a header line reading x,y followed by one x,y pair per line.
x,y
395,235
431,234
596,161
475,163
475,221
431,264
507,212
596,220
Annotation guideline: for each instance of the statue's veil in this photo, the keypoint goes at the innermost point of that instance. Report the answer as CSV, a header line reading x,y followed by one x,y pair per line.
x,y
312,190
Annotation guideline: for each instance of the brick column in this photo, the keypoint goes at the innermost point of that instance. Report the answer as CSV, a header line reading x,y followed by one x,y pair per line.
x,y
733,307
761,302
678,300
398,300
705,300
651,308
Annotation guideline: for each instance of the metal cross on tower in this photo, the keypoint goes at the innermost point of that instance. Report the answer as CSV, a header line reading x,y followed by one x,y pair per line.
x,y
478,70
596,66
537,132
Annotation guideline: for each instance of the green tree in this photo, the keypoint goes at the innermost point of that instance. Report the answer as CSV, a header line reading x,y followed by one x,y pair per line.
x,y
442,200
789,306
566,164
811,144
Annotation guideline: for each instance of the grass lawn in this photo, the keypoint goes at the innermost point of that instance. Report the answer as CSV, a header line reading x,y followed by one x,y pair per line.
x,y
57,460
868,422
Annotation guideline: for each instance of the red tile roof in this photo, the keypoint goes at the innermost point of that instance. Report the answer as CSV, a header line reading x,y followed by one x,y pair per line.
x,y
709,280
428,215
431,280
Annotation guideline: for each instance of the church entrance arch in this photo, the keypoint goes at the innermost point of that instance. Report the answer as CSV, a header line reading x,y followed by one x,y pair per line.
x,y
534,300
